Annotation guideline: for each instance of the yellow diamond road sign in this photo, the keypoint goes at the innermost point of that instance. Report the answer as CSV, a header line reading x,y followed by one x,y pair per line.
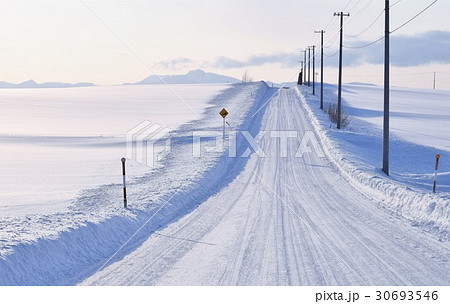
x,y
223,113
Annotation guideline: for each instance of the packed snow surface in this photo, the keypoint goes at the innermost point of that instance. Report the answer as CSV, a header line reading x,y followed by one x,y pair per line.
x,y
278,211
285,221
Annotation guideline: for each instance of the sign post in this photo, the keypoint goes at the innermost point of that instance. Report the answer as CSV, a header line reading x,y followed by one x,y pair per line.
x,y
124,183
435,172
224,114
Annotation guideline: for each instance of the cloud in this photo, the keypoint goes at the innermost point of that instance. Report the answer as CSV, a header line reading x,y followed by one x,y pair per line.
x,y
284,59
431,47
406,51
174,63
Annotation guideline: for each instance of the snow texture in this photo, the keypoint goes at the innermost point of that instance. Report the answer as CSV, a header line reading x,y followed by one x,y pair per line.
x,y
284,221
220,220
357,150
62,247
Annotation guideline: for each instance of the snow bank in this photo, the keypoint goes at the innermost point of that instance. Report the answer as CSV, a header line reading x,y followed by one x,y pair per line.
x,y
65,247
351,152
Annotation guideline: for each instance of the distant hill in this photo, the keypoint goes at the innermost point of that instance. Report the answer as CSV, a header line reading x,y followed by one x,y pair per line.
x,y
278,85
31,84
192,77
362,83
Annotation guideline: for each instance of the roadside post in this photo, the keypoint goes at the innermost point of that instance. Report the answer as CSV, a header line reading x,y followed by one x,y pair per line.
x,y
224,114
435,172
124,183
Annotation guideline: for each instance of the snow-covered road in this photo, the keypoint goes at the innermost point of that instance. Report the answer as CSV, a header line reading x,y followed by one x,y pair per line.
x,y
285,221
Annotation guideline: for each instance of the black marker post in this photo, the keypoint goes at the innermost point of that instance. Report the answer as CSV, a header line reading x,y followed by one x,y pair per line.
x,y
124,183
435,172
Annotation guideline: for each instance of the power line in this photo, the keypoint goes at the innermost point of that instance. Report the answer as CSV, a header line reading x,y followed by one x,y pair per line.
x,y
376,19
354,5
395,75
403,75
395,3
332,21
373,42
330,44
417,15
336,34
369,2
363,46
354,15
348,3
139,57
332,55
411,74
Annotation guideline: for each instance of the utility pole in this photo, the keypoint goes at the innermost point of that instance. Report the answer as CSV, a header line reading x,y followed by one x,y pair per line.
x,y
304,70
321,67
300,76
342,15
314,68
309,66
434,81
386,91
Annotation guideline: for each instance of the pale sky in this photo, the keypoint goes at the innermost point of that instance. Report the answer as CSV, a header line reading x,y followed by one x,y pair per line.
x,y
63,40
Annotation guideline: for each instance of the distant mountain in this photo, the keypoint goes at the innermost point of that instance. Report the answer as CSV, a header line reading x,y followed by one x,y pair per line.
x,y
31,84
192,77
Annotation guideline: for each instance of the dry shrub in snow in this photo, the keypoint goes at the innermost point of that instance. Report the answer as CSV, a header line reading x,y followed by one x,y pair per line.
x,y
333,115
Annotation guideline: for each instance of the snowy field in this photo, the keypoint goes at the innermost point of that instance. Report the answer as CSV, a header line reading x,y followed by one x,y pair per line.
x,y
319,219
75,240
57,142
419,122
416,115
286,220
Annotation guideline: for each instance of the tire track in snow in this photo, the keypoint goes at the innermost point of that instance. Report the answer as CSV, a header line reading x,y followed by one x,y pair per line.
x,y
260,241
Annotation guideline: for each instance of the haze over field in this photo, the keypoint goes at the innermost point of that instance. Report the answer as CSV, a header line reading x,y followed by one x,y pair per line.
x,y
57,142
69,42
